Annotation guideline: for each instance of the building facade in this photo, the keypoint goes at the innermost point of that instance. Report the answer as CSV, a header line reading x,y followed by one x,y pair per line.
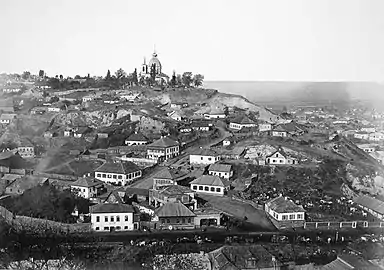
x,y
284,213
209,184
163,149
118,173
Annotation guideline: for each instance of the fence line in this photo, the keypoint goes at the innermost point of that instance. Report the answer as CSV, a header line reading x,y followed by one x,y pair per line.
x,y
343,224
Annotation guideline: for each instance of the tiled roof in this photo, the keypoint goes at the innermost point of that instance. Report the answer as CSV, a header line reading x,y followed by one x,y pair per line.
x,y
168,173
282,205
209,180
111,208
347,262
137,191
174,209
371,203
113,197
176,190
137,137
205,152
164,142
87,182
220,167
118,167
243,120
243,257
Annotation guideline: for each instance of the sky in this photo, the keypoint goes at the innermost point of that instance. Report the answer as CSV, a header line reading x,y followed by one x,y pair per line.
x,y
255,40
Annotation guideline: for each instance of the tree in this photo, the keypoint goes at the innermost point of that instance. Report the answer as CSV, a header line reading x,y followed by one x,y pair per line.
x,y
187,79
26,75
179,80
134,77
77,77
108,77
41,73
120,73
198,80
173,81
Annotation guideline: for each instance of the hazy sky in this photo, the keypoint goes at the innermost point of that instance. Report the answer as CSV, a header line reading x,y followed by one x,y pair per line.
x,y
224,40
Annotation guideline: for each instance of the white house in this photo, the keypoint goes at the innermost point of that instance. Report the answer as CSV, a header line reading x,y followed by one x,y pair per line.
x,y
285,213
204,157
175,116
241,122
201,126
369,148
264,126
113,217
368,129
279,132
371,205
87,187
210,184
361,135
87,98
54,109
120,173
376,136
130,97
68,133
222,170
6,118
279,157
229,140
136,138
164,148
215,114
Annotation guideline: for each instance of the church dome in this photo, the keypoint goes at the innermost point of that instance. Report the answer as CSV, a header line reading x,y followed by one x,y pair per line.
x,y
155,61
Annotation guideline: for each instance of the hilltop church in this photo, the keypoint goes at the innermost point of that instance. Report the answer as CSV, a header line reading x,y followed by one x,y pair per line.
x,y
153,63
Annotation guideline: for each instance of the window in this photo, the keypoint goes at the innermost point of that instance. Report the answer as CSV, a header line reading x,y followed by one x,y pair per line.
x,y
114,176
112,219
168,221
126,218
119,177
104,175
183,220
206,188
109,176
218,189
177,221
189,220
281,161
292,216
201,158
98,175
300,216
97,228
162,221
209,159
106,219
97,219
118,228
194,187
125,227
200,187
118,218
285,217
106,228
212,189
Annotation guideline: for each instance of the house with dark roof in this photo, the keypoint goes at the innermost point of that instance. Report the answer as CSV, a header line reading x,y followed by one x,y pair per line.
x,y
203,156
173,193
284,213
200,125
215,114
372,205
222,170
20,185
87,187
118,173
210,184
250,257
25,148
163,149
168,177
229,140
175,216
242,121
207,216
136,138
113,217
264,126
280,157
114,197
349,262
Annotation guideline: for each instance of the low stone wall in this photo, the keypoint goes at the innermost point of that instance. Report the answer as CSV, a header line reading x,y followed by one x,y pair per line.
x,y
56,176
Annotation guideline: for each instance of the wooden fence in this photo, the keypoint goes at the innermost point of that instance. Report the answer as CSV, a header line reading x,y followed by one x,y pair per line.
x,y
343,225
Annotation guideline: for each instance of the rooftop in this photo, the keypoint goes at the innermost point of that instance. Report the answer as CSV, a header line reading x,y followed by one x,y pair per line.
x,y
164,142
137,137
174,209
176,190
169,173
87,182
284,205
371,203
220,167
242,120
347,262
209,180
118,167
111,208
205,152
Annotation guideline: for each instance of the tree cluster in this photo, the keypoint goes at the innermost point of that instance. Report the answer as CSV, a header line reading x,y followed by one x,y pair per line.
x,y
187,79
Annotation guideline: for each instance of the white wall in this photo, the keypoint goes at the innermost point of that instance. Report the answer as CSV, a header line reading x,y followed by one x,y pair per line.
x,y
116,178
81,191
124,225
129,143
206,160
290,216
224,175
196,187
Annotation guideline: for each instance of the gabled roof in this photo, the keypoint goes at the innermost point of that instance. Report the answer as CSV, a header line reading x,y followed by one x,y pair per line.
x,y
170,174
174,209
282,205
164,142
113,197
220,168
243,257
371,203
118,167
243,120
111,208
280,151
87,182
347,262
137,137
209,180
176,190
137,191
204,152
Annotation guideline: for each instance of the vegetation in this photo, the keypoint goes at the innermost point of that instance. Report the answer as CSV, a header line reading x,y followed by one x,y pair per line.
x,y
48,202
